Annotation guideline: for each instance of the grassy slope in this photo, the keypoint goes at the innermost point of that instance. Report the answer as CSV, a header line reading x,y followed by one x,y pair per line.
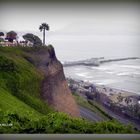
x,y
93,106
22,82
20,104
10,103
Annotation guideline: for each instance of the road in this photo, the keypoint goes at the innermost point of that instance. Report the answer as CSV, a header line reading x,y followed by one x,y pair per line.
x,y
91,116
122,120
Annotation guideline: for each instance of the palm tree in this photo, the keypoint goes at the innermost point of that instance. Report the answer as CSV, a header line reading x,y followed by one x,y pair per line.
x,y
44,27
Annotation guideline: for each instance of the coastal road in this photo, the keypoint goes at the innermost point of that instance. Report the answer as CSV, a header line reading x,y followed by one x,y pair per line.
x,y
89,115
122,120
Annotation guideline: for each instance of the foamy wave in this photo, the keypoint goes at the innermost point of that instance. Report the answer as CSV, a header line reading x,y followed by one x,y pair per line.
x,y
105,82
124,73
100,68
78,69
110,72
131,74
84,74
62,62
131,66
89,77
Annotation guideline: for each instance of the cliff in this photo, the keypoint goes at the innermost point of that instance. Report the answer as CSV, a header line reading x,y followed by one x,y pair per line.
x,y
54,88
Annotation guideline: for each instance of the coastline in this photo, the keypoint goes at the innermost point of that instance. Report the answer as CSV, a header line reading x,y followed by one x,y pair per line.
x,y
107,90
120,104
120,76
109,93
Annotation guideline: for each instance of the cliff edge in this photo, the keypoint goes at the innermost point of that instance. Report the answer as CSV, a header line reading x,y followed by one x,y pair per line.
x,y
54,88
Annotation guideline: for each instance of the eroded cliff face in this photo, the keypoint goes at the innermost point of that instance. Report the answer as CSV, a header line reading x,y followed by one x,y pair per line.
x,y
54,88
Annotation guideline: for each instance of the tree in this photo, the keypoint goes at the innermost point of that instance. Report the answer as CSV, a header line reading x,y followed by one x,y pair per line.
x,y
1,39
1,34
10,36
44,27
33,38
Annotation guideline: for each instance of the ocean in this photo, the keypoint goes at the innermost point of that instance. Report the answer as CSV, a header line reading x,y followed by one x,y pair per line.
x,y
123,75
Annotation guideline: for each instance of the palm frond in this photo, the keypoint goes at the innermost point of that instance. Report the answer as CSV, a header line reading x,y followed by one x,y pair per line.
x,y
45,26
40,27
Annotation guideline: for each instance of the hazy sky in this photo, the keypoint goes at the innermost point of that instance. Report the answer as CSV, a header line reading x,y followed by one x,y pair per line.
x,y
28,16
75,28
71,19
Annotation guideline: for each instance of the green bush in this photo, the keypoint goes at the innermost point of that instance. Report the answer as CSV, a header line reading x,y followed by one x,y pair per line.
x,y
20,78
57,123
7,65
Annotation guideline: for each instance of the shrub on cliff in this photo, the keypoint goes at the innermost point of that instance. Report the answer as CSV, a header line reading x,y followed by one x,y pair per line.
x,y
57,123
33,38
20,78
7,64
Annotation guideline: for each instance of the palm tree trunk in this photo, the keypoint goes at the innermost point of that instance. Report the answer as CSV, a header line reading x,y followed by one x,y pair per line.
x,y
44,37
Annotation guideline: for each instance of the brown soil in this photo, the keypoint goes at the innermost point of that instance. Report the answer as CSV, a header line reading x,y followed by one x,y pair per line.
x,y
54,88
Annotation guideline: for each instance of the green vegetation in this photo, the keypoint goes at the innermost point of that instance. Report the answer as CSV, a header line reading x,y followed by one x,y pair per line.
x,y
43,27
1,34
33,38
94,107
22,110
57,123
10,36
6,64
99,108
20,78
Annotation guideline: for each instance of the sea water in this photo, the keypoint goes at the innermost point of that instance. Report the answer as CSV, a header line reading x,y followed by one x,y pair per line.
x,y
121,74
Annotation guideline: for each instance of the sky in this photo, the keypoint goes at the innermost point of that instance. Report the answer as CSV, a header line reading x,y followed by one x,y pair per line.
x,y
105,18
71,21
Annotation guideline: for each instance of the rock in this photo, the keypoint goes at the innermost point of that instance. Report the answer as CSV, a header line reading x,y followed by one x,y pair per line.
x,y
54,88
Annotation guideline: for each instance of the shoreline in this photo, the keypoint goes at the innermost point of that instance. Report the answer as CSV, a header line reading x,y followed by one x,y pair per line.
x,y
115,90
120,102
107,94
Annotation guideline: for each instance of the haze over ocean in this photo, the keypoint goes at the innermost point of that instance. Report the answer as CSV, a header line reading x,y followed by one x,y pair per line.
x,y
122,75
